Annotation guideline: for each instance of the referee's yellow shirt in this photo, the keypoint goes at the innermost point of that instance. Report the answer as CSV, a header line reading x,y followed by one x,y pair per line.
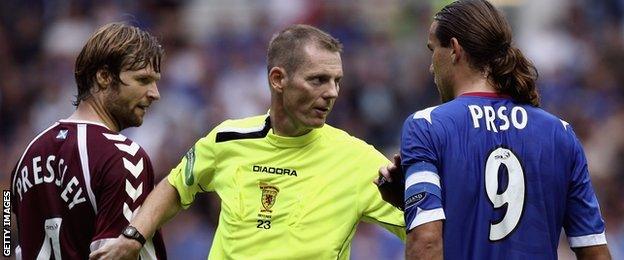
x,y
285,197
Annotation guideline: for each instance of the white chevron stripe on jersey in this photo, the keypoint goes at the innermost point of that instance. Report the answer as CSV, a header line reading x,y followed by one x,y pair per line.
x,y
132,192
135,170
117,137
130,149
148,252
128,213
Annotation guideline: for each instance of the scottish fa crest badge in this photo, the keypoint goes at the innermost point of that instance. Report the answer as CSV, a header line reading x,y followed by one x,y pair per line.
x,y
269,194
62,134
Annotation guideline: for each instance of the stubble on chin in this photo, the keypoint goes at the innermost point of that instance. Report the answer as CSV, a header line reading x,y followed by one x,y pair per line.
x,y
123,116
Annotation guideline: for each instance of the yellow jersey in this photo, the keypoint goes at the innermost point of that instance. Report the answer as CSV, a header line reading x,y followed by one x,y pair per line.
x,y
285,197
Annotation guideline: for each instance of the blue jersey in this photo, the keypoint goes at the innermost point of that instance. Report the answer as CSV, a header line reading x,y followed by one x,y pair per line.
x,y
505,177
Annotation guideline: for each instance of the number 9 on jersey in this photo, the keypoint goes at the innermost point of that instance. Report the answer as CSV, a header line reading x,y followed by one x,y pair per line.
x,y
513,196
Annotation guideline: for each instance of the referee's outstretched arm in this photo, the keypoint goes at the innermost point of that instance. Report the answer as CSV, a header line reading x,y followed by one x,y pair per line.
x,y
161,205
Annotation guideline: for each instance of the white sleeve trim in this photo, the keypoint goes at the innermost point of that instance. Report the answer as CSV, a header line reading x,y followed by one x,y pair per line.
x,y
422,176
426,216
588,240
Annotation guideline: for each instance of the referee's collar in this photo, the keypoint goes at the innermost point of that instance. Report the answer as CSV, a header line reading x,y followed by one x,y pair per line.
x,y
289,141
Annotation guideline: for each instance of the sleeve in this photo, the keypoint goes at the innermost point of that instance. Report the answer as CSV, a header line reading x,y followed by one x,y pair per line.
x,y
195,172
121,186
583,223
423,193
374,208
124,183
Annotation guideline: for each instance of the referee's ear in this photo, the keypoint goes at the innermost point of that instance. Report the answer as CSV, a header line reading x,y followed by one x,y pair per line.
x,y
277,79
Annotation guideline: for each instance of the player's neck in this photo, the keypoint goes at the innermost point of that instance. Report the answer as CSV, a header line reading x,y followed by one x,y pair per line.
x,y
91,110
473,82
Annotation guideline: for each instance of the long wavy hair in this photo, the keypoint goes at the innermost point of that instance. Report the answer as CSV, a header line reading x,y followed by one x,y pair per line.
x,y
484,33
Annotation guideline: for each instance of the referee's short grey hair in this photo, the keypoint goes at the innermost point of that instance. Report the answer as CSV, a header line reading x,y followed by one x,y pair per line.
x,y
286,47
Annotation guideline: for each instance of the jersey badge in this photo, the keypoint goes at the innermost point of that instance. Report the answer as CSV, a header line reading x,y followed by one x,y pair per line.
x,y
188,171
62,134
415,199
269,195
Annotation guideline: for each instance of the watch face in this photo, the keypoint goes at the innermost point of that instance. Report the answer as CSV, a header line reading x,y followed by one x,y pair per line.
x,y
133,233
128,231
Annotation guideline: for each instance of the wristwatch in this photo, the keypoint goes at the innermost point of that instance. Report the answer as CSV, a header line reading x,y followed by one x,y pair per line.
x,y
132,233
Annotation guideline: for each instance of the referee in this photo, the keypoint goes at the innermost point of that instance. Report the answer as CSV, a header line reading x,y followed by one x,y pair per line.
x,y
291,186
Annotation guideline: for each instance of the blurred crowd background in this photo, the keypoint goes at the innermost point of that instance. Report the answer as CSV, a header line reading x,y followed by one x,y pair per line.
x,y
215,69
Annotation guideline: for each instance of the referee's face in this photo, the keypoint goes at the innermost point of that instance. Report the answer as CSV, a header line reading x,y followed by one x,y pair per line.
x,y
311,91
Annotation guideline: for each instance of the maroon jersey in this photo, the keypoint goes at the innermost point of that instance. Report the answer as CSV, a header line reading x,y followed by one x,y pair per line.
x,y
77,186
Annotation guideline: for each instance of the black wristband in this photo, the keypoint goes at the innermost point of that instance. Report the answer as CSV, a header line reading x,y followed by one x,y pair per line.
x,y
132,233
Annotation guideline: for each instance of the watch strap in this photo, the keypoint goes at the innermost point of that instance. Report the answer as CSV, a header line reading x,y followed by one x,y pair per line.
x,y
132,233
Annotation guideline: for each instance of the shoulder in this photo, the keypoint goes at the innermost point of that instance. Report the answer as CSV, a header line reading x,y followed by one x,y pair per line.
x,y
341,139
424,114
118,160
551,127
234,129
434,124
354,152
546,117
438,114
115,144
429,117
242,123
334,134
116,155
47,136
545,127
42,142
